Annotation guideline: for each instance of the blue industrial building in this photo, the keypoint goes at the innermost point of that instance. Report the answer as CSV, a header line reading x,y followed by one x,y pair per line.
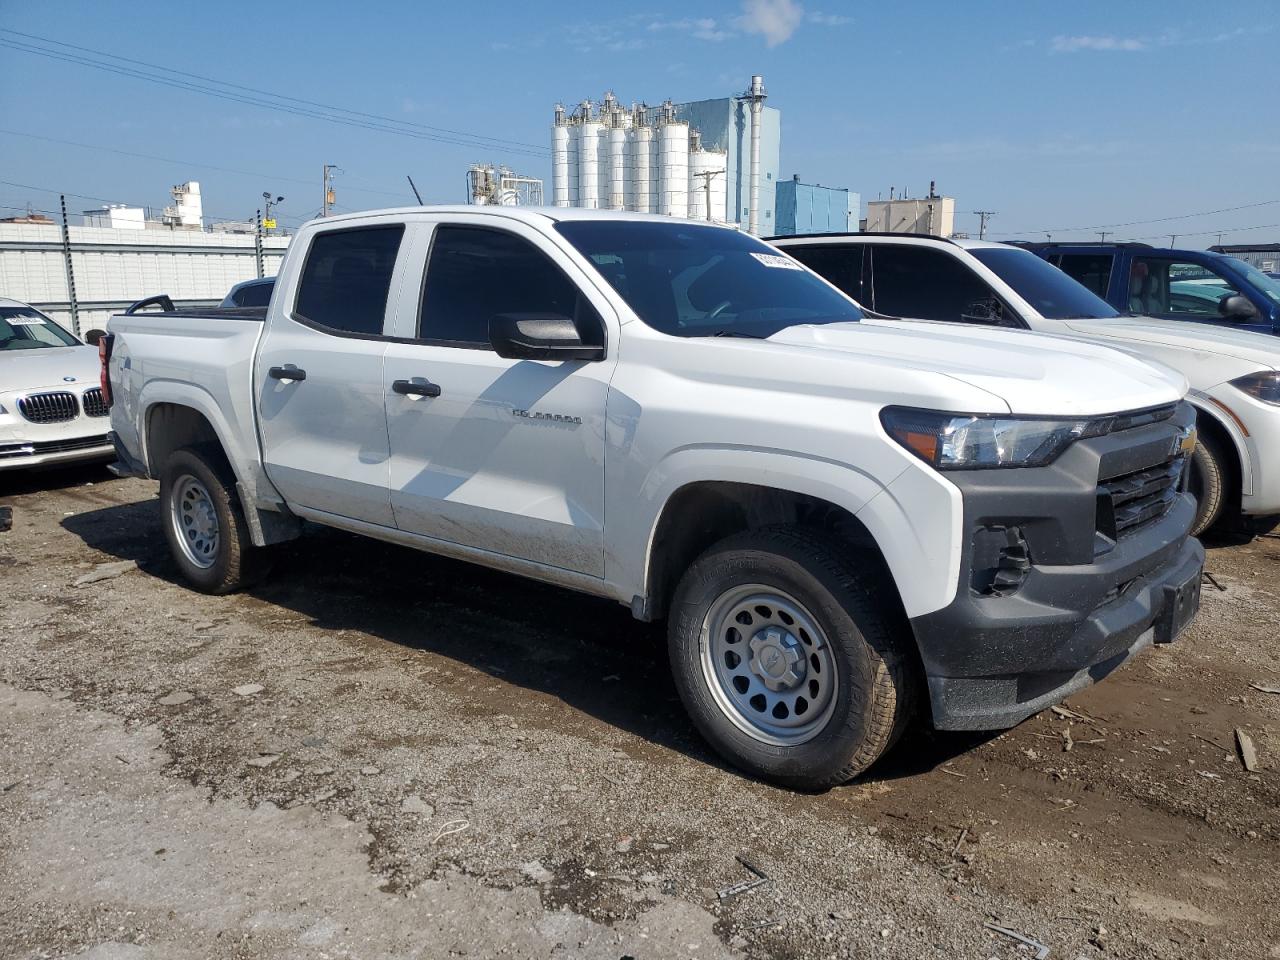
x,y
725,124
813,208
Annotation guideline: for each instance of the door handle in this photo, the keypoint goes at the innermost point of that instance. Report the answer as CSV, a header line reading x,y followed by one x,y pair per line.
x,y
416,388
288,373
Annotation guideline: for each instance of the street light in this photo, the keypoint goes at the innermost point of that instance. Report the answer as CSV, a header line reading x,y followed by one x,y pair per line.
x,y
270,203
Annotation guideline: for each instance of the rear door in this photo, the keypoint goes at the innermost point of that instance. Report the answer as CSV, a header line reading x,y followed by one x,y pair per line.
x,y
319,376
503,455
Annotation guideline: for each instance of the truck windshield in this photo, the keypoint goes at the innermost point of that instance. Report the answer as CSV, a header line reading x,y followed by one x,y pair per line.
x,y
23,328
688,280
1051,292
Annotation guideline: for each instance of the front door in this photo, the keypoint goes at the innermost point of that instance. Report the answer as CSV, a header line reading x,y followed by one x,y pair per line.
x,y
1175,289
503,455
320,377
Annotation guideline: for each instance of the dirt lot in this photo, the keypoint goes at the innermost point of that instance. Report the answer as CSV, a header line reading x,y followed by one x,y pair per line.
x,y
443,761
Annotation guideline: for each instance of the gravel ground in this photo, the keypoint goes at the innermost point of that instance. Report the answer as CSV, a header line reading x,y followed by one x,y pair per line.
x,y
378,753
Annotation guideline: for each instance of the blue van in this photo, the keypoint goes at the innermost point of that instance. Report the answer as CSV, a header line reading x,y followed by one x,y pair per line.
x,y
1194,285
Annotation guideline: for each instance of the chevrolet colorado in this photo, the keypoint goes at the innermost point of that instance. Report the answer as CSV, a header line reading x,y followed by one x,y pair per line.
x,y
834,514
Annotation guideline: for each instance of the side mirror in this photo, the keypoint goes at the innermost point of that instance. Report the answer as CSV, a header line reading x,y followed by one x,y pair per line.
x,y
988,310
93,336
1237,307
539,336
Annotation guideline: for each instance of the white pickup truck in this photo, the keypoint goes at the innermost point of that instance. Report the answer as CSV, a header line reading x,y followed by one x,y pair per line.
x,y
833,515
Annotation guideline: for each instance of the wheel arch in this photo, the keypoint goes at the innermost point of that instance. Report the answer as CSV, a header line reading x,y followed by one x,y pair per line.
x,y
171,423
1215,423
703,512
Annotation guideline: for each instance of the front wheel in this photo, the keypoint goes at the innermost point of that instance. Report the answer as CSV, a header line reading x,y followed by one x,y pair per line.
x,y
787,664
205,525
1208,484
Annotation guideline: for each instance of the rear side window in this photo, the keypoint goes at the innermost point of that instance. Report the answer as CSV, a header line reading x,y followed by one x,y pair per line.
x,y
347,278
474,274
927,284
839,264
1091,269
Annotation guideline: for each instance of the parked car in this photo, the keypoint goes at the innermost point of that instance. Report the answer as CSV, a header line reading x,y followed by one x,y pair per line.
x,y
51,406
250,293
1235,386
1155,282
831,515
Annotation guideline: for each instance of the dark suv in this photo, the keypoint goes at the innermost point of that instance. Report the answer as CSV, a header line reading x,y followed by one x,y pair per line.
x,y
1194,285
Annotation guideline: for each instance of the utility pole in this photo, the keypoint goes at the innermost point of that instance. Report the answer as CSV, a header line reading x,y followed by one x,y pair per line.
x,y
984,216
1173,240
1103,234
257,240
71,274
706,186
328,188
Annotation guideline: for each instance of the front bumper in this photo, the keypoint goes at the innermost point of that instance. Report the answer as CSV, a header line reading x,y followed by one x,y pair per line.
x,y
1078,603
25,454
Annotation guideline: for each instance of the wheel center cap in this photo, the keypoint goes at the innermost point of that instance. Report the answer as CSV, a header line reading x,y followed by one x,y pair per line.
x,y
777,658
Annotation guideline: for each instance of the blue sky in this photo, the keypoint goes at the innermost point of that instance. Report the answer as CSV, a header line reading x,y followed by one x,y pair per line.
x,y
1056,115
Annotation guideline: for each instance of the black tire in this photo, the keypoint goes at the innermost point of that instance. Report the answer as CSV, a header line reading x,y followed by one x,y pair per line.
x,y
869,640
235,562
1208,483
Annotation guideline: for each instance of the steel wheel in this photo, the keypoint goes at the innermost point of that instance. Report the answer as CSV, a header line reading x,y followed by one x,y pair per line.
x,y
768,665
195,521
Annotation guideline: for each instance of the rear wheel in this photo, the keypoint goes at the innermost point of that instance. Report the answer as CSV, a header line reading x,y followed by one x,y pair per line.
x,y
787,665
205,525
1208,483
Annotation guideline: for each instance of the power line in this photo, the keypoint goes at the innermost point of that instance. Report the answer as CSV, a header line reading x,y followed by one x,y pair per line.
x,y
278,96
188,163
86,196
1132,223
356,119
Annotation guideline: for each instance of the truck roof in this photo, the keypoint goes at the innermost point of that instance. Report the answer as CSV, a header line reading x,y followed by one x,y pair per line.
x,y
526,214
905,237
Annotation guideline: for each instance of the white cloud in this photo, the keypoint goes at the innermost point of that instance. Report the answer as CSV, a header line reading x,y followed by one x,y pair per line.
x,y
828,19
700,28
1065,44
775,20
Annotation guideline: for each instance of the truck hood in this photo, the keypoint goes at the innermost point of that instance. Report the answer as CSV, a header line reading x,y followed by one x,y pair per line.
x,y
22,370
1032,373
1203,340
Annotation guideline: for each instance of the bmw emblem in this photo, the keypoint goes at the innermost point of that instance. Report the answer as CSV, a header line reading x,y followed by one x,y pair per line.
x,y
68,379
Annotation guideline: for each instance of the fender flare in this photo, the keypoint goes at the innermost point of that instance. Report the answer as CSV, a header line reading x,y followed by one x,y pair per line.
x,y
1206,407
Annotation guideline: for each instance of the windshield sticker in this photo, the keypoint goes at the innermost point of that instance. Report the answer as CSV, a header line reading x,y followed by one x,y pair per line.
x,y
24,321
777,261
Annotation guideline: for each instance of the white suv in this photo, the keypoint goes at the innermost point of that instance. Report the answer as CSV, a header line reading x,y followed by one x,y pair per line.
x,y
1235,386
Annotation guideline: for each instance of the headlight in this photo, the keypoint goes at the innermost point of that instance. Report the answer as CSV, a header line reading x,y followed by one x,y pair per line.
x,y
1264,386
949,441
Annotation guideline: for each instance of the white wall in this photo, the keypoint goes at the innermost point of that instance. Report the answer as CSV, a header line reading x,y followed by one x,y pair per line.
x,y
113,268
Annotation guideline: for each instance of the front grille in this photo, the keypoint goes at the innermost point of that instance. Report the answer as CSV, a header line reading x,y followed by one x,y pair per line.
x,y
1129,502
12,451
55,407
94,405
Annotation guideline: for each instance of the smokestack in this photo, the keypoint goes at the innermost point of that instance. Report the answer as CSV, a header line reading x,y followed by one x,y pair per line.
x,y
756,95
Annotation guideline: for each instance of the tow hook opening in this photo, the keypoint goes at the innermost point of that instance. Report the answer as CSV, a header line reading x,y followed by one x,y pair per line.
x,y
1002,559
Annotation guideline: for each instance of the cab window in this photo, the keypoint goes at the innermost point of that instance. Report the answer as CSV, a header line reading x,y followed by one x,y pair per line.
x,y
909,281
476,273
346,279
